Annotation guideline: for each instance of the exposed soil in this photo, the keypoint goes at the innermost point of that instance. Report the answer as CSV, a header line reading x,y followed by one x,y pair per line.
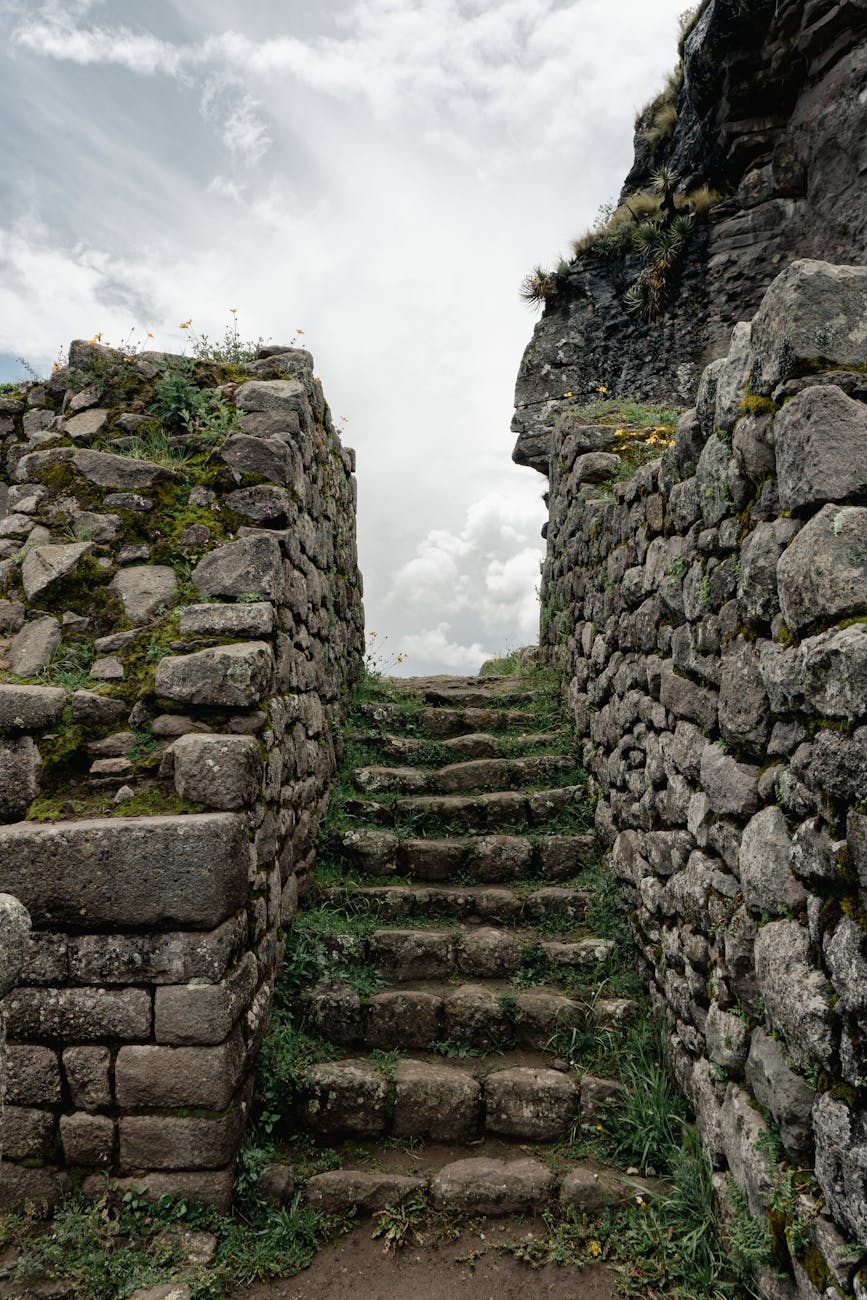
x,y
357,1268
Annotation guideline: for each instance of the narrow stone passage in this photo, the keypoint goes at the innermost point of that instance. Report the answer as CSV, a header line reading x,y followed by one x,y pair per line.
x,y
452,919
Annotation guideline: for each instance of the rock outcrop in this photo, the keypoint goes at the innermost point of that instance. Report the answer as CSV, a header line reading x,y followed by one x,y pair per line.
x,y
771,115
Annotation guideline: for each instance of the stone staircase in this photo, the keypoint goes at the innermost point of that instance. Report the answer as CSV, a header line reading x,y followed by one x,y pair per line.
x,y
452,922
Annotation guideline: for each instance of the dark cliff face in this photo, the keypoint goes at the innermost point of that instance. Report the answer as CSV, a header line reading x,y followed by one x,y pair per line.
x,y
772,113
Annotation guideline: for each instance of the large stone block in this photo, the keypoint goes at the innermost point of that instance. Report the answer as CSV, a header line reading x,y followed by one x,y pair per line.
x,y
744,1141
346,1097
14,937
214,1187
33,1076
744,714
121,473
228,676
251,619
180,1142
534,1105
32,648
822,575
88,1076
812,312
45,565
779,1090
87,1139
28,1133
191,1014
86,1015
268,458
731,787
162,1077
144,589
820,439
29,708
481,1185
154,957
20,770
825,674
217,771
794,990
841,1162
764,862
132,872
436,1102
251,566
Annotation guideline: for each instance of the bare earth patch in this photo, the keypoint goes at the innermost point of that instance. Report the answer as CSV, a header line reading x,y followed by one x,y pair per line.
x,y
357,1266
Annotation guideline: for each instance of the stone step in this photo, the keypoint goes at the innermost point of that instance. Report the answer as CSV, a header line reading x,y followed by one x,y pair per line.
x,y
438,1102
547,905
474,777
487,859
467,812
401,749
479,1185
485,952
481,1016
472,692
450,723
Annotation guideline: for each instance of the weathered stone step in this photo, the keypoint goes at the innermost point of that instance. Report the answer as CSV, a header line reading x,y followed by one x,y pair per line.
x,y
480,1184
549,904
472,777
488,859
481,951
479,744
480,812
472,692
448,723
481,1015
438,1102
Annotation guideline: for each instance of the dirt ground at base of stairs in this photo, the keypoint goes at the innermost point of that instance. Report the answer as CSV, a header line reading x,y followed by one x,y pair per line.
x,y
358,1268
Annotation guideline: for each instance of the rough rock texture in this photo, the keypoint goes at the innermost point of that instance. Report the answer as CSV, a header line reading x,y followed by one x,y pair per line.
x,y
162,764
716,660
771,115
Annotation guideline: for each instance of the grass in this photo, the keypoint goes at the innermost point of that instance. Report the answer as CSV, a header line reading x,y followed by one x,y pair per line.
x,y
109,1247
620,411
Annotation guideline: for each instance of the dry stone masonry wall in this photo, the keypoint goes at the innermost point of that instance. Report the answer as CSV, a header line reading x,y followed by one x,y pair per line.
x,y
180,624
710,613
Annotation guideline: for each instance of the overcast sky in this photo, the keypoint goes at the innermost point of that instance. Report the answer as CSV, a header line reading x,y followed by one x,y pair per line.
x,y
379,173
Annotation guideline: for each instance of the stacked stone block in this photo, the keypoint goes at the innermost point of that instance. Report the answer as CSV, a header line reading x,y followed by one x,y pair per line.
x,y
710,613
178,637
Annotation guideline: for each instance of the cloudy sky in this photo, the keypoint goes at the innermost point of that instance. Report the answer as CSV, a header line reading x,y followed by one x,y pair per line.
x,y
379,173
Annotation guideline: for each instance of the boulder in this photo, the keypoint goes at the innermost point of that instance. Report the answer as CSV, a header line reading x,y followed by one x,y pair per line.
x,y
229,676
20,769
812,312
29,708
795,991
251,566
217,771
33,647
45,565
766,876
120,473
144,590
821,447
822,575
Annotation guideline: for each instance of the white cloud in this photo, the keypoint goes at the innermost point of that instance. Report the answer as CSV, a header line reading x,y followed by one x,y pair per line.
x,y
432,651
482,578
380,172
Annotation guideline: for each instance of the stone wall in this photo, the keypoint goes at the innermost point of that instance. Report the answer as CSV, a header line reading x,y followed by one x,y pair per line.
x,y
772,114
710,613
180,626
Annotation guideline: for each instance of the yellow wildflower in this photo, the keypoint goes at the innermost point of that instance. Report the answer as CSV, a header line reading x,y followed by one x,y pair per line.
x,y
298,329
595,1249
234,311
569,394
149,334
603,389
185,324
